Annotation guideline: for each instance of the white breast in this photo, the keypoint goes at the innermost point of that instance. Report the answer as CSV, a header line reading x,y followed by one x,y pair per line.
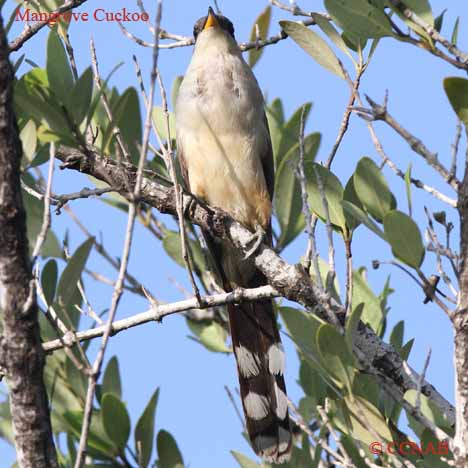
x,y
221,129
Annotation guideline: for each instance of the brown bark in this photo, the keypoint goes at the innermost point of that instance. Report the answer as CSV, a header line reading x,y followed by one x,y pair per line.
x,y
460,323
21,349
289,280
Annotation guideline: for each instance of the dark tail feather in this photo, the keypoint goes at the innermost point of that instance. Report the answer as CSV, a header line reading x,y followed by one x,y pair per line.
x,y
260,364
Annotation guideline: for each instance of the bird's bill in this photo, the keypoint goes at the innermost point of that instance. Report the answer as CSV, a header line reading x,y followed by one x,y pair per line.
x,y
211,20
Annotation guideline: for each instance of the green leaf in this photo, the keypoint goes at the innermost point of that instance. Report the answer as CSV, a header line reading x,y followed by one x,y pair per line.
x,y
372,189
335,354
454,38
49,280
175,89
352,323
302,328
97,440
290,133
430,410
408,189
358,215
72,272
34,211
116,420
422,8
359,18
406,349
168,452
172,245
275,117
81,95
327,27
350,195
324,268
144,431
263,22
159,120
28,138
396,337
311,382
313,45
361,416
332,190
6,427
436,453
58,68
372,314
244,461
288,195
456,89
439,21
210,334
352,451
404,237
111,381
76,379
127,118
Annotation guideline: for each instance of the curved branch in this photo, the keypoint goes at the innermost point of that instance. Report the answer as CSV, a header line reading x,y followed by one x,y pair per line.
x,y
290,281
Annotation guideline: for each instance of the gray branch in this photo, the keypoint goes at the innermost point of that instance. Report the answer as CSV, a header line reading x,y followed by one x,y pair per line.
x,y
291,281
20,347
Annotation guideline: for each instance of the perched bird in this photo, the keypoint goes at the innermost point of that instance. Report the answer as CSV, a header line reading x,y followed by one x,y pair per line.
x,y
225,154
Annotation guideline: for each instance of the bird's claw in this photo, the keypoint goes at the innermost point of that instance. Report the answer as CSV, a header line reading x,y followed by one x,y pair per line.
x,y
257,238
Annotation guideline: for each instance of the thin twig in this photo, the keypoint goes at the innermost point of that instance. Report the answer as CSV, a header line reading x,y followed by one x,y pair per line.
x,y
462,57
379,112
300,174
422,376
157,312
169,159
386,160
30,30
115,129
46,217
318,440
331,247
455,145
118,290
236,409
326,422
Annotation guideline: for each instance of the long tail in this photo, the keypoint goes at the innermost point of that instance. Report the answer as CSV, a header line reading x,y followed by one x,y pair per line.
x,y
259,355
260,364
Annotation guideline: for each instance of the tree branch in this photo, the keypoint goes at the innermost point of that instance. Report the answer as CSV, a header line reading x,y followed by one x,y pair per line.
x,y
158,312
30,31
22,354
290,281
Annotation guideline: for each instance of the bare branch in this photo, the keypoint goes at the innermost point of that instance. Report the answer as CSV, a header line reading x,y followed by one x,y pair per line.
x,y
29,31
379,112
290,281
462,57
46,217
118,289
157,312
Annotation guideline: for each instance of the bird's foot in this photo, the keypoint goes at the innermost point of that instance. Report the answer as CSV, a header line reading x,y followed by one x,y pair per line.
x,y
256,240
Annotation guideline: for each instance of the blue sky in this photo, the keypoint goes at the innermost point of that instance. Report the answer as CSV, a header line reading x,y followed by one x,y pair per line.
x,y
193,404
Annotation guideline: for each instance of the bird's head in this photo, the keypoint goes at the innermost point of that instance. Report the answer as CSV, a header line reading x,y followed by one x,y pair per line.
x,y
212,25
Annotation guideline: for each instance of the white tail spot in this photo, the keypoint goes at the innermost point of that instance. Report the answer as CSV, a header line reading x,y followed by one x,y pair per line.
x,y
267,446
284,438
281,402
276,359
248,362
256,406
